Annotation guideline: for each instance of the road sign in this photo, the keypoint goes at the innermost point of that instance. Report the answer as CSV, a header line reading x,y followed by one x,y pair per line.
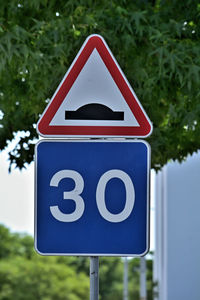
x,y
92,197
94,99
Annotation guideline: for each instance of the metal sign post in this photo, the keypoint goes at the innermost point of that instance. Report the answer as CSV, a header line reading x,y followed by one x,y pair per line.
x,y
143,278
125,279
94,278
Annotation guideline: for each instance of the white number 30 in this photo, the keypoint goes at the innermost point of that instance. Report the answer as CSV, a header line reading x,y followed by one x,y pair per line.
x,y
100,196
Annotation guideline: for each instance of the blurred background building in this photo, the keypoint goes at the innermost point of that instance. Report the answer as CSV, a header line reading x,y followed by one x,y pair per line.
x,y
177,239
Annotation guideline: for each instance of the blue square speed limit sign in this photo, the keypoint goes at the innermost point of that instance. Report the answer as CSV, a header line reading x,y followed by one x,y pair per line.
x,y
92,197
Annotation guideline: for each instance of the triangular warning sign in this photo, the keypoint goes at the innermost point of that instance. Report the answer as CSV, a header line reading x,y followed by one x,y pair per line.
x,y
94,99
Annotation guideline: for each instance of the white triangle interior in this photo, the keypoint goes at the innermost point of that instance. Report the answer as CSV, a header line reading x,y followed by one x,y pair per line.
x,y
94,84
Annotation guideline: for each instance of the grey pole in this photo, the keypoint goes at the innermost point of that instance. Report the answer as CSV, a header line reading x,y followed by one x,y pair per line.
x,y
143,278
125,279
94,278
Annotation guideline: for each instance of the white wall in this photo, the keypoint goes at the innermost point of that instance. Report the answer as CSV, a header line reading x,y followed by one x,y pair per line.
x,y
177,257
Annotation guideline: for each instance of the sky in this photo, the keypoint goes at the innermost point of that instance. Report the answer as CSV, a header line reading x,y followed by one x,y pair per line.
x,y
17,197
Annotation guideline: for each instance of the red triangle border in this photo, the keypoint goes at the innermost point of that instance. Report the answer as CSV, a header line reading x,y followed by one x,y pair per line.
x,y
92,42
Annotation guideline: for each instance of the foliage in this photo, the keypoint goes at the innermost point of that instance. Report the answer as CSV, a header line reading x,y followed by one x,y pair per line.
x,y
134,277
155,42
25,275
13,244
24,279
110,278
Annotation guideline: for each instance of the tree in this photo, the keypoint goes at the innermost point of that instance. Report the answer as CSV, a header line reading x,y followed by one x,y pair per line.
x,y
41,278
110,278
134,278
155,42
14,244
24,275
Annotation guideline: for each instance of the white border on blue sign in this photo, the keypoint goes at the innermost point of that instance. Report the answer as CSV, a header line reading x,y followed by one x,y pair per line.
x,y
148,196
